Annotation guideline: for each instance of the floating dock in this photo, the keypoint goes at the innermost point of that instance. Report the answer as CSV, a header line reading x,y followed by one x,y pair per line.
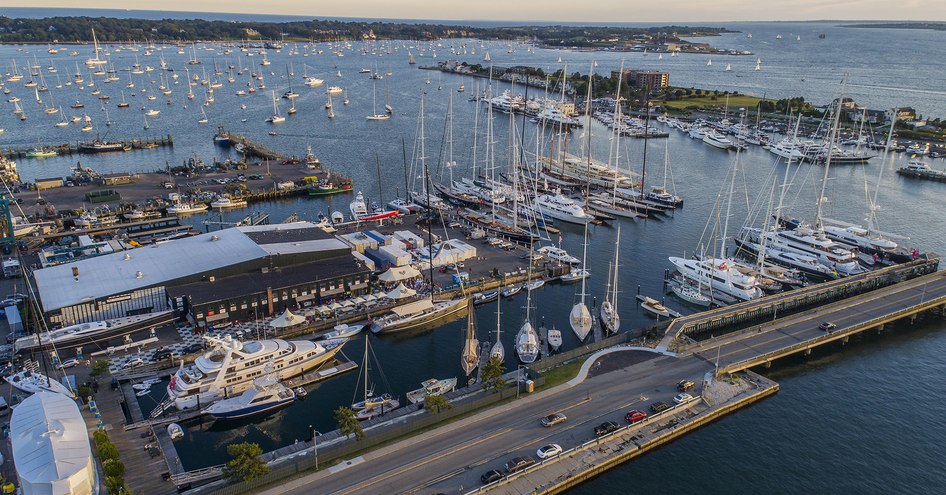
x,y
69,148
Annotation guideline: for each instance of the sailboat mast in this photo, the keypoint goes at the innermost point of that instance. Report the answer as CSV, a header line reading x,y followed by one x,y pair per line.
x,y
732,187
832,137
614,285
584,263
872,212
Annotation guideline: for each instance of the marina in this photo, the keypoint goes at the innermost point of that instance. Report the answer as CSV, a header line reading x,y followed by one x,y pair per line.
x,y
507,236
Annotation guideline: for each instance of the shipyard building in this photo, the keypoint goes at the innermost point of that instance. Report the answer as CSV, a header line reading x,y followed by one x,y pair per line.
x,y
234,273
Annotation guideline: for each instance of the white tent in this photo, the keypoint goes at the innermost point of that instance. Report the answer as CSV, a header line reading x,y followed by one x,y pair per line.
x,y
347,302
358,300
400,292
371,297
334,306
324,309
398,273
51,447
286,320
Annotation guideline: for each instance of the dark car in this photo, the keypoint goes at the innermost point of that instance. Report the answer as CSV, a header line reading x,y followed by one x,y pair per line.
x,y
685,385
553,419
162,354
605,428
635,416
519,463
827,326
491,476
657,407
192,348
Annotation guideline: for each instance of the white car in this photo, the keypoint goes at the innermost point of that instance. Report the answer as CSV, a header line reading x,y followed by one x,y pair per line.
x,y
68,363
548,451
681,398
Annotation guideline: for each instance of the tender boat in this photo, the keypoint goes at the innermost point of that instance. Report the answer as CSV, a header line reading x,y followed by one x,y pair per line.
x,y
654,306
266,395
555,338
175,431
432,386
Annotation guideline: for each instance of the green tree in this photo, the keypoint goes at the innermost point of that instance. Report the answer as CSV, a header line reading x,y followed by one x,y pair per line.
x,y
246,463
348,424
493,374
114,468
99,367
107,451
114,485
436,403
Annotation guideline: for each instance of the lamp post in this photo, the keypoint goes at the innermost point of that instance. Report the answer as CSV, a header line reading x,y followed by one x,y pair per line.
x,y
315,445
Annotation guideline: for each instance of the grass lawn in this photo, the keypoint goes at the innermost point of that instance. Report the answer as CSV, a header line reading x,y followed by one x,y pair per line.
x,y
562,374
704,101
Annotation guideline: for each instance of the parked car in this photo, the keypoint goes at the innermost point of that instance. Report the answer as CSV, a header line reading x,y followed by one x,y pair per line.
x,y
196,347
553,419
681,398
519,463
605,428
68,363
635,416
162,354
550,450
657,407
827,326
491,476
685,385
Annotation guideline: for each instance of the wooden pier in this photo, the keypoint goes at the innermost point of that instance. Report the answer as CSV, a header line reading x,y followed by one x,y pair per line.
x,y
252,148
70,148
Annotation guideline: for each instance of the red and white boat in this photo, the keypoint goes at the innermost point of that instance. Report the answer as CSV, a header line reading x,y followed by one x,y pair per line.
x,y
359,210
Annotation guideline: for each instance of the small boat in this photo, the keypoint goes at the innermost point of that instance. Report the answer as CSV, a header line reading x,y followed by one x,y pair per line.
x,y
574,276
185,208
175,431
301,392
344,331
511,290
142,393
535,284
555,338
484,297
691,294
432,386
266,395
654,306
224,202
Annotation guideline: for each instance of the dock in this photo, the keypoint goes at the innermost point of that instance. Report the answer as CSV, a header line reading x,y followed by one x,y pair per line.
x,y
70,148
929,174
319,375
253,148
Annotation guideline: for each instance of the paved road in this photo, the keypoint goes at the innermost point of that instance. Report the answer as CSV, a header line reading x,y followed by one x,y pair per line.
x,y
804,326
446,459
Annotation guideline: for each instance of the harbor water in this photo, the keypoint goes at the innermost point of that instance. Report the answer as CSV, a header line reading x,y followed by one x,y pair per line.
x,y
837,417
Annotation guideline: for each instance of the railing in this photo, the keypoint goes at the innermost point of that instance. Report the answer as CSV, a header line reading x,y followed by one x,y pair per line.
x,y
832,336
186,477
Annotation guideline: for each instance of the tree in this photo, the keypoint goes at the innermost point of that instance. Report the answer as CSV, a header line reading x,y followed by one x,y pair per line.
x,y
107,451
436,403
114,485
99,367
246,463
348,424
493,374
114,468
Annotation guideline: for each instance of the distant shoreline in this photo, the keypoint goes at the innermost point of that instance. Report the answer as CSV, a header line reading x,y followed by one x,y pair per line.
x,y
934,26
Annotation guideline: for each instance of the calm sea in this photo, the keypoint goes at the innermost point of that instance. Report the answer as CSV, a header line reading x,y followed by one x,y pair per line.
x,y
861,420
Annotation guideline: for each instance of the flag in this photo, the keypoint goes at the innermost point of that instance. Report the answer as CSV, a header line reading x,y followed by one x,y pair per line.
x,y
560,239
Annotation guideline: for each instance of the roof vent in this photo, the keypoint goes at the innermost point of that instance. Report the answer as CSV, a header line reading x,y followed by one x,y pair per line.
x,y
214,238
127,256
138,274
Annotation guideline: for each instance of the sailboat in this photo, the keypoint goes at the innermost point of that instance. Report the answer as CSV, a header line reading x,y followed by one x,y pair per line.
x,y
758,64
527,340
470,357
609,308
498,352
580,316
276,118
63,122
203,118
374,103
372,406
709,62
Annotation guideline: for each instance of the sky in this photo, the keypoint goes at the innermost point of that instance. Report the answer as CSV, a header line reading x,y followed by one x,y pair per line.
x,y
624,11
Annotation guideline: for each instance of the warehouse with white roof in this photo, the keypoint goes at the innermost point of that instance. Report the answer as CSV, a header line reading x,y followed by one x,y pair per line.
x,y
136,281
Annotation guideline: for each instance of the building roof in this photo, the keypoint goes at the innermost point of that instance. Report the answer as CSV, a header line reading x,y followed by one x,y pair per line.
x,y
126,271
50,440
250,283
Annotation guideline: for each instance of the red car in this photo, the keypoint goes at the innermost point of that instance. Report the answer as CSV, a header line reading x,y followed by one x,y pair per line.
x,y
635,416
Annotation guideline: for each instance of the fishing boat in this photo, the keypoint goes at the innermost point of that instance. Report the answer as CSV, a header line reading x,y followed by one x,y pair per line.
x,y
224,202
231,365
580,317
654,307
325,187
432,386
417,314
266,395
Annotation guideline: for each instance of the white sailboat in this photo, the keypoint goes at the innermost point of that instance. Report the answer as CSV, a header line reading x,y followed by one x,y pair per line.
x,y
580,317
498,351
276,118
527,340
609,308
374,104
372,405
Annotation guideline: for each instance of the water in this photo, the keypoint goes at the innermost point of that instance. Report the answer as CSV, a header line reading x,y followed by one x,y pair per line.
x,y
835,417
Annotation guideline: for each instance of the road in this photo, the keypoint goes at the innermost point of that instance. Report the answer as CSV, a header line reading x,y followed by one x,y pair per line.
x,y
456,455
803,327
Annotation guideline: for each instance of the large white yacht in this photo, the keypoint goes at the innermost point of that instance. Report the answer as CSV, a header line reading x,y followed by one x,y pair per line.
x,y
560,207
804,240
717,140
558,254
230,367
719,274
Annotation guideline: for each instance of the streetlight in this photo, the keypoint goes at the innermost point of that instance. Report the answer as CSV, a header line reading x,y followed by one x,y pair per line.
x,y
315,445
